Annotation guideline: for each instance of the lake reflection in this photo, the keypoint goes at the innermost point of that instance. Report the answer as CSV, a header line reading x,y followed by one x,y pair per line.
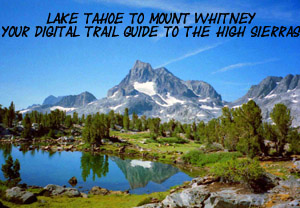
x,y
41,168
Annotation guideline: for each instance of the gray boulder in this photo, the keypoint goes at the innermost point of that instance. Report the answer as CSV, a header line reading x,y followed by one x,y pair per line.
x,y
201,197
20,196
230,198
71,192
55,190
187,198
96,190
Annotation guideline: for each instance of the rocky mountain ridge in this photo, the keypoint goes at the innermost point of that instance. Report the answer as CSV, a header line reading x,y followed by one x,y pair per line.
x,y
273,90
66,103
159,93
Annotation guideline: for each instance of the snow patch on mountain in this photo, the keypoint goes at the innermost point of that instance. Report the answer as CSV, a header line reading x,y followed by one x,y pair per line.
x,y
61,108
116,107
92,103
209,107
270,96
237,106
114,95
204,100
294,95
146,88
170,100
24,111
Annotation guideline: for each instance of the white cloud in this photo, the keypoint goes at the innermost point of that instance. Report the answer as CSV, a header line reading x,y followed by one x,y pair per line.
x,y
193,53
241,65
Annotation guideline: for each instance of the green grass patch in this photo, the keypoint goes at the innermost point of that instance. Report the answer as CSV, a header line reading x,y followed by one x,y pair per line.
x,y
147,200
109,201
35,190
199,158
167,140
2,189
172,140
131,135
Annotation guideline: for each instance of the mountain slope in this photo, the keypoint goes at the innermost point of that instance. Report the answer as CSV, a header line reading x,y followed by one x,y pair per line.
x,y
273,90
51,100
76,100
157,92
66,103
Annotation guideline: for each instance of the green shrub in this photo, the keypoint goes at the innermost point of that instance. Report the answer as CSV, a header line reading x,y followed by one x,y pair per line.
x,y
294,140
199,158
238,170
161,196
249,147
213,147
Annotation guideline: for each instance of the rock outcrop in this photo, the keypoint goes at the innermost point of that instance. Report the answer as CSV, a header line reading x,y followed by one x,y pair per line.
x,y
208,192
96,190
55,190
20,196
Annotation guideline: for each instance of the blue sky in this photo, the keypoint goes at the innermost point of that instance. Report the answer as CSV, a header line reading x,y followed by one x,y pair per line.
x,y
33,68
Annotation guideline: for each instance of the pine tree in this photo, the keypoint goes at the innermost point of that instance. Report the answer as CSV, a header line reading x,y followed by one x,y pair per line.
x,y
248,120
11,171
11,114
26,133
68,121
126,120
144,123
75,119
82,120
86,133
111,117
281,116
294,140
134,120
154,124
188,132
139,125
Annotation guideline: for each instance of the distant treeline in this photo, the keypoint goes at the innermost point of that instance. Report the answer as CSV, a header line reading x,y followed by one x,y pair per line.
x,y
238,129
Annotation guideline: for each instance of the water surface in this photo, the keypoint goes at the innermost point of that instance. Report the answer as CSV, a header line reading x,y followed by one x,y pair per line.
x,y
41,168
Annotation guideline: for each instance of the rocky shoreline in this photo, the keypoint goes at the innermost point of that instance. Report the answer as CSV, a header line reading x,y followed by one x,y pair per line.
x,y
21,195
204,192
209,192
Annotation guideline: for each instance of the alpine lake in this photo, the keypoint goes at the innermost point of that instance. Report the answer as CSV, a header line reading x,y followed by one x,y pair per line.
x,y
40,168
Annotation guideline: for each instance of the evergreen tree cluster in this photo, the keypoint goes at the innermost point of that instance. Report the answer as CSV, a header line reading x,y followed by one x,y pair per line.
x,y
238,129
9,115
